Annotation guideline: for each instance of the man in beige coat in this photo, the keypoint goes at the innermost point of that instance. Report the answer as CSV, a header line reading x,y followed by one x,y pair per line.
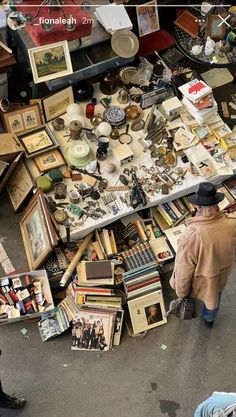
x,y
205,252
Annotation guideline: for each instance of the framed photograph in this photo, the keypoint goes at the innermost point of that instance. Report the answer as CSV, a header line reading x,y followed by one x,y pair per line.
x,y
147,17
147,311
37,231
22,119
56,104
49,160
37,141
50,61
19,185
215,27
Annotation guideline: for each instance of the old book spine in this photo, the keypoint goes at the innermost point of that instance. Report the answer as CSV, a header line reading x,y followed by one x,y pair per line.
x,y
149,252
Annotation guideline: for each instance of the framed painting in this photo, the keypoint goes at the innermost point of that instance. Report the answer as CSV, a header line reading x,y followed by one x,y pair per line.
x,y
19,185
22,119
56,104
37,141
50,61
37,231
147,18
49,160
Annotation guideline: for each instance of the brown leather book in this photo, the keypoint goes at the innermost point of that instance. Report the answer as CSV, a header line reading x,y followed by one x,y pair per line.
x,y
98,270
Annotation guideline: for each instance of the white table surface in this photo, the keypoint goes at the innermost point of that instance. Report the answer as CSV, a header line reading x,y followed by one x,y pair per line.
x,y
190,182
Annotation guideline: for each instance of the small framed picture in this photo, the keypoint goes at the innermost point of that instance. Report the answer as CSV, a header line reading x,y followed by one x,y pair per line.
x,y
22,119
37,231
201,132
49,160
37,141
50,61
56,104
147,17
19,185
147,311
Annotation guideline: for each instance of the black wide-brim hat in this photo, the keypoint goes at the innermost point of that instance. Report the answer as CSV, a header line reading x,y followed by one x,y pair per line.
x,y
206,195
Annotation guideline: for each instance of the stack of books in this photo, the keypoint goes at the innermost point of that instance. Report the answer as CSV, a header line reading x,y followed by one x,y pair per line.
x,y
141,280
95,273
94,329
198,100
58,320
94,294
137,256
172,213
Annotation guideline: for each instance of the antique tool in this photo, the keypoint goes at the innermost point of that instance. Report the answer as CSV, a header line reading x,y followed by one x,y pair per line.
x,y
75,260
119,188
137,195
137,125
225,109
125,138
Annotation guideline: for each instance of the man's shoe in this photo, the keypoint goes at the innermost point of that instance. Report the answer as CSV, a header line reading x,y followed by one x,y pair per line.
x,y
12,402
209,324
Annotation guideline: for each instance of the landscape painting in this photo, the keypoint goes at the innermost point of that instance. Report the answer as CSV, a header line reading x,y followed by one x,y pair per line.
x,y
50,61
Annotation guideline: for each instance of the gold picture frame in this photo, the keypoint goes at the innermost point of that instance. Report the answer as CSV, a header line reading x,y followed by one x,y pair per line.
x,y
56,104
19,185
37,141
49,160
50,61
23,119
37,231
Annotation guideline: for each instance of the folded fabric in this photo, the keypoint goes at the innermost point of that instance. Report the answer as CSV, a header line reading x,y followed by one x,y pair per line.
x,y
220,404
183,308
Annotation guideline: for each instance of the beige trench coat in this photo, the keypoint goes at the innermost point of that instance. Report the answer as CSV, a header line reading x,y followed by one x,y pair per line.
x,y
204,258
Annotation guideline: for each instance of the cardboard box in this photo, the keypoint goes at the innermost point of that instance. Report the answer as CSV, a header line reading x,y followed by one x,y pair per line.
x,y
41,276
10,147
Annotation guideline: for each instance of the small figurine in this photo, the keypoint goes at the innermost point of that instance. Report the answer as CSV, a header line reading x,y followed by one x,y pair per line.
x,y
196,50
209,46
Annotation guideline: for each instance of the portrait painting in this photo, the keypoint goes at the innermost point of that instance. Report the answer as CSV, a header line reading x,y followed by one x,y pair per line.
x,y
147,17
153,314
50,61
16,124
30,119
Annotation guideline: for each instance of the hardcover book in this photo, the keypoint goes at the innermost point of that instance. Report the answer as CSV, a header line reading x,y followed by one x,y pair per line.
x,y
147,311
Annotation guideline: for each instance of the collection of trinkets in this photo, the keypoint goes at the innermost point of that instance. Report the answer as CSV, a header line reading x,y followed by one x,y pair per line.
x,y
21,295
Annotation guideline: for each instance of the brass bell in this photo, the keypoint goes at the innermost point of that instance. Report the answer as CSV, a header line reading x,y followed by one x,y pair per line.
x,y
96,120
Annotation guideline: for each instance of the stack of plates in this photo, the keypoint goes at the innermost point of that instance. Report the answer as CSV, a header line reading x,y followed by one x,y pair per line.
x,y
79,154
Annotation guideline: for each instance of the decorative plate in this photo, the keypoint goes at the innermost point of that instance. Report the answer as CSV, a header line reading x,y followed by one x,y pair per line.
x,y
127,75
125,43
114,115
